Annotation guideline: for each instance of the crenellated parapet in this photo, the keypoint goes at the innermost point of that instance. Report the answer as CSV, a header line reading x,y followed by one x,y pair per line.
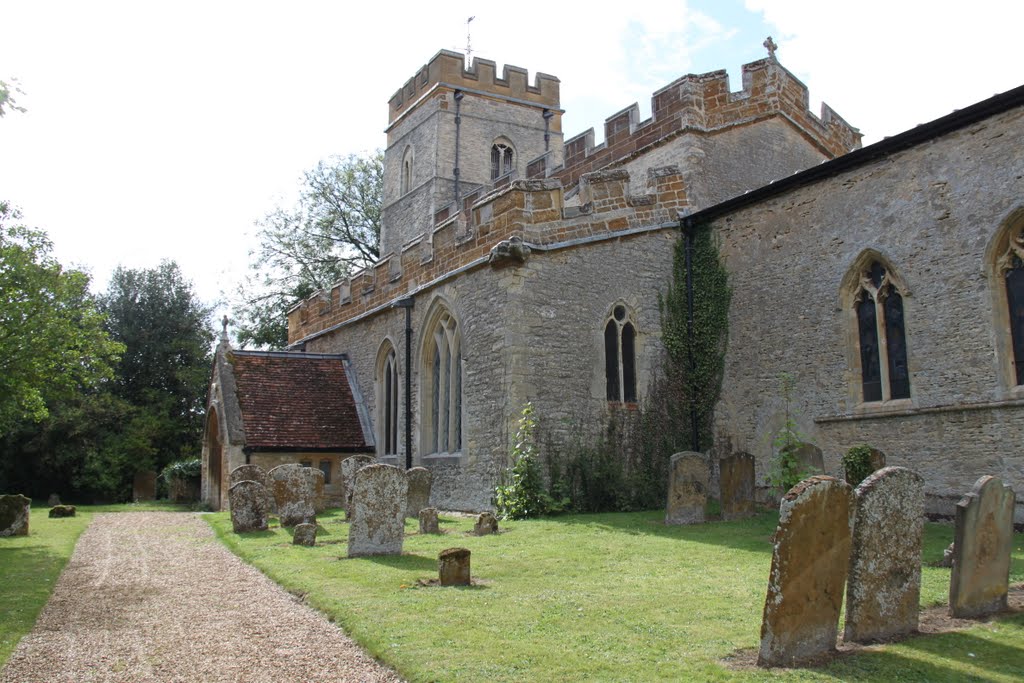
x,y
703,105
495,230
448,68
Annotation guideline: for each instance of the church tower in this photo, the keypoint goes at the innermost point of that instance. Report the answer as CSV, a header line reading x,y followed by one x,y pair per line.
x,y
453,130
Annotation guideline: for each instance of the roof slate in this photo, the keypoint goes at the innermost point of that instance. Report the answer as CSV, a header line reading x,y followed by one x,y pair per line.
x,y
296,401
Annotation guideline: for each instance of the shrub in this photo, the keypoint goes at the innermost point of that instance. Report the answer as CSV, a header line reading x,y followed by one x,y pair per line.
x,y
787,470
857,463
523,495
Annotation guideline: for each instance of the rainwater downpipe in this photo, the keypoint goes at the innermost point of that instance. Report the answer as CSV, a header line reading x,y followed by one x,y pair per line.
x,y
688,232
455,171
407,303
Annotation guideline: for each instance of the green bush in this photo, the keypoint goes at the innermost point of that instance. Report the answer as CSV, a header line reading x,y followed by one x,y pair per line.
x,y
857,463
787,471
523,494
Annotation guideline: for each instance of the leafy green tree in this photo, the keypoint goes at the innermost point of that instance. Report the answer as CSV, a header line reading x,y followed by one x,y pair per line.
x,y
163,373
333,230
52,339
7,91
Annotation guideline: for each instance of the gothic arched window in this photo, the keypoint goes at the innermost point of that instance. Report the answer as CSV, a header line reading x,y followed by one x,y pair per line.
x,y
406,183
881,336
620,356
502,160
1008,291
387,401
442,386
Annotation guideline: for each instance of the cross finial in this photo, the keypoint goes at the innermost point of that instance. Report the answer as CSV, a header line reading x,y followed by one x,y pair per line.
x,y
770,45
224,329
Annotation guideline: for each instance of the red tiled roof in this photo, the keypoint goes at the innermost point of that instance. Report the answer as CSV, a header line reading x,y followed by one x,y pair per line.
x,y
296,401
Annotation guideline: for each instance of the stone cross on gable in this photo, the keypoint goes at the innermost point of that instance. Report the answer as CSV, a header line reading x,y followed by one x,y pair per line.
x,y
770,45
224,331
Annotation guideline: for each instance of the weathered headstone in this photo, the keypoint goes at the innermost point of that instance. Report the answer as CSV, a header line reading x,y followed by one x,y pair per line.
x,y
810,458
144,486
982,542
304,534
349,467
428,521
248,502
254,473
378,504
54,499
296,489
453,567
736,483
486,524
58,511
883,589
947,557
14,514
420,479
809,562
687,488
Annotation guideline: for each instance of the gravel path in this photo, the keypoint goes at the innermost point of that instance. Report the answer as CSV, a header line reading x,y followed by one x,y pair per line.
x,y
152,596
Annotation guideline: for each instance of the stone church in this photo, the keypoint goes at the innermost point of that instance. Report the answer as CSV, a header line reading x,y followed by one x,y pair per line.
x,y
518,266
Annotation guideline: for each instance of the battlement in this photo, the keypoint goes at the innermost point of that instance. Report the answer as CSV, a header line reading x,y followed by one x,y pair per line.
x,y
703,104
449,68
496,230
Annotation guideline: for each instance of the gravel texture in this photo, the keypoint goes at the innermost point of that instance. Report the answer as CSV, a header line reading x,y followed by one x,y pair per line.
x,y
152,596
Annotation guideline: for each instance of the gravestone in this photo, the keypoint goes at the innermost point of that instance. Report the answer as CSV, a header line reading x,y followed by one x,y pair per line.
x,y
883,589
486,524
736,484
248,502
810,558
810,458
349,467
453,567
14,514
144,486
428,521
378,511
418,498
305,535
687,488
982,543
54,499
257,474
58,511
296,489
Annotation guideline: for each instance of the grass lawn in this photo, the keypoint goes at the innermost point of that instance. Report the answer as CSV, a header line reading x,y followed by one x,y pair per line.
x,y
30,565
616,597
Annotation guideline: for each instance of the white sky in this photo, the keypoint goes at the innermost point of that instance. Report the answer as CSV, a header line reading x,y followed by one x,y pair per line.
x,y
164,130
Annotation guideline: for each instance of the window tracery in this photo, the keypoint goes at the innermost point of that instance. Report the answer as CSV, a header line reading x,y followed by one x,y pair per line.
x,y
881,336
1010,268
442,373
502,160
387,402
620,356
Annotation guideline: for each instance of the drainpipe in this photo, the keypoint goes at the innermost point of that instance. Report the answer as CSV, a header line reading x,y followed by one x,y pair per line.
x,y
455,171
689,231
407,303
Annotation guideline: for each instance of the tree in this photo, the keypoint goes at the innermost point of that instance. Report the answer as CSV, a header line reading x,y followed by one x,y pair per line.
x,y
52,339
7,98
164,371
333,230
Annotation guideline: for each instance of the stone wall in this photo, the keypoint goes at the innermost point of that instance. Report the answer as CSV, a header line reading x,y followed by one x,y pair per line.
x,y
931,212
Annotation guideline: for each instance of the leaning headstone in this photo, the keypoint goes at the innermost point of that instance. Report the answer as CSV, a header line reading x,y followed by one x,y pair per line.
x,y
54,499
349,467
809,562
248,502
419,490
687,488
982,542
295,492
810,458
58,511
453,567
736,483
305,535
14,513
257,474
486,524
378,511
883,590
144,486
428,521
